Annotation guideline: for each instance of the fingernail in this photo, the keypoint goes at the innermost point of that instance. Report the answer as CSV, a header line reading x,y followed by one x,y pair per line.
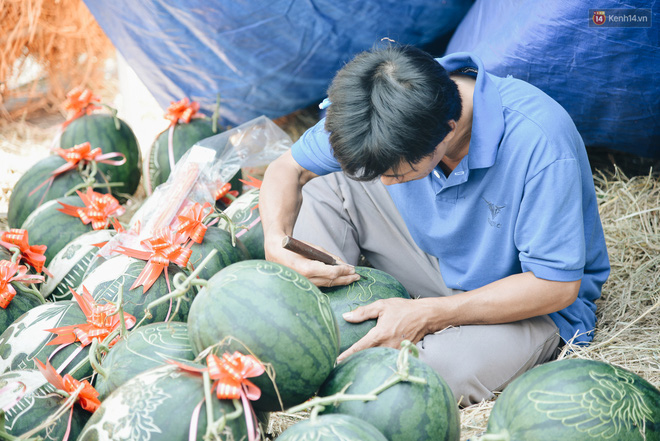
x,y
347,315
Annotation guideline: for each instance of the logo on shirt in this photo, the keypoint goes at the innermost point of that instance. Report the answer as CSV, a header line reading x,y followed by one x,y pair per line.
x,y
494,211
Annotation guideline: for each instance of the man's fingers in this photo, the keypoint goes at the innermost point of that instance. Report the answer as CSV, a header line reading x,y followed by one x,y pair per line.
x,y
368,341
362,313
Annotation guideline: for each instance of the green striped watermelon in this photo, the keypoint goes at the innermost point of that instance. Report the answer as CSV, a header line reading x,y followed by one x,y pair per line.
x,y
22,203
220,240
105,281
576,400
22,302
147,347
26,339
185,136
335,427
70,263
158,405
402,412
244,212
27,400
279,316
373,285
48,226
100,131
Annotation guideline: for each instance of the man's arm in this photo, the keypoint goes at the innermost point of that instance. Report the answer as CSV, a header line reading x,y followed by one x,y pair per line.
x,y
513,298
280,198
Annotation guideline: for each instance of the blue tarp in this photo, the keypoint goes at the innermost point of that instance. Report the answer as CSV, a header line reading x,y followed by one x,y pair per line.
x,y
607,78
264,57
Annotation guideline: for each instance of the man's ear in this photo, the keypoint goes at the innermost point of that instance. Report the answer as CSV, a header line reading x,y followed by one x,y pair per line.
x,y
452,132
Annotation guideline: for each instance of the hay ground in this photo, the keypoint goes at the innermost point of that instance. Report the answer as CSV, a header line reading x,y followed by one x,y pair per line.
x,y
628,190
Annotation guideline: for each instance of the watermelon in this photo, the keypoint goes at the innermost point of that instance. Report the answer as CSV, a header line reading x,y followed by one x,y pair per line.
x,y
402,412
70,263
277,315
158,405
27,399
106,279
244,212
185,136
147,347
26,339
22,302
100,131
331,427
22,203
576,399
48,226
220,240
373,285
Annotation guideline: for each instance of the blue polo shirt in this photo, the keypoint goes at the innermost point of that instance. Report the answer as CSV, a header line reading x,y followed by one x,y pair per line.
x,y
522,199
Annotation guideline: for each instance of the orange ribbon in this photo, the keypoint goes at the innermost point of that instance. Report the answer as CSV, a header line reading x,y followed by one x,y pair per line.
x,y
88,396
97,210
13,272
81,153
30,254
163,248
79,102
231,373
191,222
100,322
181,110
252,181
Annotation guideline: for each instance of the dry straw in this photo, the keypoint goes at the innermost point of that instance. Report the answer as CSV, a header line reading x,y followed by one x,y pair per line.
x,y
59,38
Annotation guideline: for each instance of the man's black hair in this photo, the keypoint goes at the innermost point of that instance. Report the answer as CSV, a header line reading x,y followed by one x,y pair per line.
x,y
389,105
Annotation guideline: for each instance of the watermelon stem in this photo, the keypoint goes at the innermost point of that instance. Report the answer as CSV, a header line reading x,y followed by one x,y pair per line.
x,y
113,112
15,254
181,288
402,373
94,361
35,292
229,222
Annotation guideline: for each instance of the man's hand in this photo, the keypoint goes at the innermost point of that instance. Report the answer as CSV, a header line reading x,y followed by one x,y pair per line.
x,y
317,272
398,320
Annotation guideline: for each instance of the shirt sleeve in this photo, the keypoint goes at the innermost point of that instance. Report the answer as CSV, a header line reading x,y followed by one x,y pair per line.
x,y
550,228
313,152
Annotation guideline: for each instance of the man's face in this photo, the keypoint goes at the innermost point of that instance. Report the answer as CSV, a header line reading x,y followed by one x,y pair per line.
x,y
411,172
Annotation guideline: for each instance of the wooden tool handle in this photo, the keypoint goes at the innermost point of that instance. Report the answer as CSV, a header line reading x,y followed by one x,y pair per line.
x,y
307,251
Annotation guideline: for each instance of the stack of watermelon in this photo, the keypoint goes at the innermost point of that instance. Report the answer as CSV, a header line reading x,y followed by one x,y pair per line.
x,y
177,328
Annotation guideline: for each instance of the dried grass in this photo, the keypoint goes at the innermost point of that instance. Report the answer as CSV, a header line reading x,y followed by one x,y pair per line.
x,y
61,38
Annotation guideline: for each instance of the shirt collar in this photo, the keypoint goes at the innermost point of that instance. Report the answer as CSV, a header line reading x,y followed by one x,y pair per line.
x,y
487,116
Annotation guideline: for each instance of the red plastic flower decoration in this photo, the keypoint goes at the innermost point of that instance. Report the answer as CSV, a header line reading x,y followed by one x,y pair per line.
x,y
80,101
97,210
30,254
88,396
13,272
163,248
81,153
191,222
101,321
182,110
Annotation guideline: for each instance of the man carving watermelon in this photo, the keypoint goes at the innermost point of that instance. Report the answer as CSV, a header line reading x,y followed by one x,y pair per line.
x,y
474,191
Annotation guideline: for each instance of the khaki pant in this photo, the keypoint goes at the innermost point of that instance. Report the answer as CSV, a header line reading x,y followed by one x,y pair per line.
x,y
349,218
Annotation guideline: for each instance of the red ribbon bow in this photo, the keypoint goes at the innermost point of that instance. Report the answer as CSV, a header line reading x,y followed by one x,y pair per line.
x,y
100,323
252,181
191,222
79,102
13,272
31,254
80,153
88,396
164,247
181,110
97,210
231,373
